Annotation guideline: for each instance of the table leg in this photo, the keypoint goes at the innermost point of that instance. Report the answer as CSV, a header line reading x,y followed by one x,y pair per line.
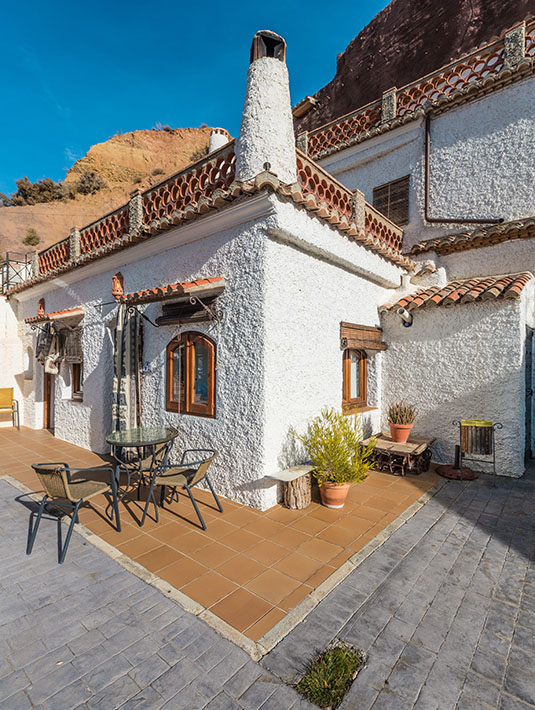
x,y
113,482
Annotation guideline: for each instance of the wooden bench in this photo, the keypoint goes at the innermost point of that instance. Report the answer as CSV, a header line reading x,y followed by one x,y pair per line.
x,y
296,485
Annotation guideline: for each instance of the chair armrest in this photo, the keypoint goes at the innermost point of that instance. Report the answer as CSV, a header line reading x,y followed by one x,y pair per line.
x,y
93,468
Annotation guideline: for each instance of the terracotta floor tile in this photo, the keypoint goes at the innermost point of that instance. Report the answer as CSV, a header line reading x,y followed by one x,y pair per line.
x,y
190,542
214,555
180,573
310,525
159,557
241,609
298,566
241,569
342,557
219,528
273,585
265,624
319,577
267,552
209,589
373,514
284,515
240,540
337,535
381,504
290,538
354,524
264,527
330,515
241,517
293,599
319,549
138,546
128,532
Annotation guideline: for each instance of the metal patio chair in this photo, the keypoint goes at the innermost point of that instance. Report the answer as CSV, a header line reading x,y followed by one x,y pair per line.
x,y
186,475
63,492
477,436
8,404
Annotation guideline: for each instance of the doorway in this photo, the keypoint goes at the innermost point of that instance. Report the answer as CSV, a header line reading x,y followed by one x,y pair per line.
x,y
530,333
49,387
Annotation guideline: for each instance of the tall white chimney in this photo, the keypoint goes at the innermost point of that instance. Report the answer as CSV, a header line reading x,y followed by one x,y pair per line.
x,y
266,139
218,137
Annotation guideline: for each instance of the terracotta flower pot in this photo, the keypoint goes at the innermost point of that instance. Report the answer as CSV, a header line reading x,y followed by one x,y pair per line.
x,y
400,432
333,495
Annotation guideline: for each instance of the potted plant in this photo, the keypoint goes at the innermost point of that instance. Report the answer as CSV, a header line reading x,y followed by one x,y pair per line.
x,y
333,442
401,416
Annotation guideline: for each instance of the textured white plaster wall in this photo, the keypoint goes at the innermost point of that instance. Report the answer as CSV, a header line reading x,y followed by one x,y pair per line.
x,y
266,134
12,357
506,258
237,430
462,362
307,296
481,162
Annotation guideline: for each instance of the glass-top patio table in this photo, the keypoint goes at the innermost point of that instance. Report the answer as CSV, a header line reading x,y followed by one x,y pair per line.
x,y
140,451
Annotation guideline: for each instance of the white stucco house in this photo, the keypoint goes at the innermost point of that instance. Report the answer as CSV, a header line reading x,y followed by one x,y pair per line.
x,y
262,284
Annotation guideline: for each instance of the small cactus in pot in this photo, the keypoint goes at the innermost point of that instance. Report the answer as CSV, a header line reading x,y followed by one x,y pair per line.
x,y
401,416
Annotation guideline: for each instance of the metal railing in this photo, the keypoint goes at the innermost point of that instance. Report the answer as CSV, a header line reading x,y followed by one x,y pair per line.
x,y
15,269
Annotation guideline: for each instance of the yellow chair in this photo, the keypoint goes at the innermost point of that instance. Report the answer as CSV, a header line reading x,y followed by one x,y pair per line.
x,y
8,404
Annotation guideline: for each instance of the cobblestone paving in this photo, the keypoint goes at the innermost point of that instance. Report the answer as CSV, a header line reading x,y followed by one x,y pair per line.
x,y
445,608
88,634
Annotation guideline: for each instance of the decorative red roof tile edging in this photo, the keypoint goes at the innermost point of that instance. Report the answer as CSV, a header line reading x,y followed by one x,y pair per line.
x,y
181,288
478,238
106,230
338,198
477,289
55,256
472,75
191,187
319,193
45,317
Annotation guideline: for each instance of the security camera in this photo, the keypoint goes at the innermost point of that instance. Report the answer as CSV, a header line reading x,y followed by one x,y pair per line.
x,y
406,317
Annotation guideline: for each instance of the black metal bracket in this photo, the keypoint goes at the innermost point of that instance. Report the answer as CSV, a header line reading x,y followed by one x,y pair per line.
x,y
214,313
134,309
34,326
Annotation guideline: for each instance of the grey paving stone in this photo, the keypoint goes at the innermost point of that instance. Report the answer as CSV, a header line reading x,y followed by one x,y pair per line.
x,y
441,689
48,685
148,670
257,694
222,702
18,701
283,698
481,689
241,680
113,695
509,703
176,678
69,697
520,683
146,699
410,671
106,673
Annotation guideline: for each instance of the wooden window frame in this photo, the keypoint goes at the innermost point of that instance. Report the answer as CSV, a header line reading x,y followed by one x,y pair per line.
x,y
188,404
406,180
361,401
77,391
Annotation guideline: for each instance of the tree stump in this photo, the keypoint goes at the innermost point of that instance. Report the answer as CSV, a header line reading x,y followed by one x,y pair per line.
x,y
297,493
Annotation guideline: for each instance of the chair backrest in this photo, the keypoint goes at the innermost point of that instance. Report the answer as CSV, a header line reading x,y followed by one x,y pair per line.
x,y
54,480
477,436
6,397
201,471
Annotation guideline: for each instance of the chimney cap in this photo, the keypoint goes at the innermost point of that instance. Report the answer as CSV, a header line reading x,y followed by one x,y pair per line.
x,y
268,44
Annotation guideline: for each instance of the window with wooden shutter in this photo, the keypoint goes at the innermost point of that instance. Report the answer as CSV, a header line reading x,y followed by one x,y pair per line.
x,y
392,200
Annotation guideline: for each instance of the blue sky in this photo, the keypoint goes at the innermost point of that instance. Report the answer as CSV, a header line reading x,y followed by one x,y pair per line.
x,y
74,74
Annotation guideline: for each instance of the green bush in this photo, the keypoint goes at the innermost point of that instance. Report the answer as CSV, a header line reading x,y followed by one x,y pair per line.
x,y
89,182
333,442
31,239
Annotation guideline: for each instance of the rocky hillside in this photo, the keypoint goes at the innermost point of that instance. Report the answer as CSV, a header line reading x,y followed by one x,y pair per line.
x,y
131,160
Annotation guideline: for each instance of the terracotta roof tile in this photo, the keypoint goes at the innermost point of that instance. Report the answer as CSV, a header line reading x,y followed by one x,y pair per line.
x,y
55,314
181,288
479,288
478,238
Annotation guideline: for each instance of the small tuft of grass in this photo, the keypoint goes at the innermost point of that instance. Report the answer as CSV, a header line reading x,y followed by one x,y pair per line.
x,y
328,677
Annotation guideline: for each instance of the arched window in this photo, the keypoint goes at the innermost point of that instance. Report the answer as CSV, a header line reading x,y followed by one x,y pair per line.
x,y
190,375
355,378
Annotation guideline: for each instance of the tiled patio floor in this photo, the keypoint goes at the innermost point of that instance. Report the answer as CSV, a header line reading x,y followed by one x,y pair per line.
x,y
250,568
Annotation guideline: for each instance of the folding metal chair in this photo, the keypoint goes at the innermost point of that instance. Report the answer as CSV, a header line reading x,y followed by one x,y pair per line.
x,y
60,489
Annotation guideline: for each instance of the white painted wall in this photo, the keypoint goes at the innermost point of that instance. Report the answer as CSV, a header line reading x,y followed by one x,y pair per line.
x,y
481,162
13,357
458,362
308,294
